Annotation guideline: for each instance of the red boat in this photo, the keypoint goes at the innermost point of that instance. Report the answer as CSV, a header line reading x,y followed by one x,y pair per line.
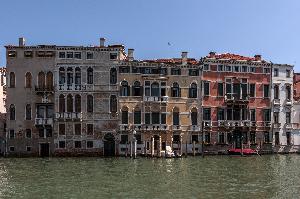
x,y
245,152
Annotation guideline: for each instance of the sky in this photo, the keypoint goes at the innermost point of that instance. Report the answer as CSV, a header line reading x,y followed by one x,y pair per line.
x,y
159,28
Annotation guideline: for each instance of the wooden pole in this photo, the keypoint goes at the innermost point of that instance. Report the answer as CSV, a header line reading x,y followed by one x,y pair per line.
x,y
194,148
126,151
186,148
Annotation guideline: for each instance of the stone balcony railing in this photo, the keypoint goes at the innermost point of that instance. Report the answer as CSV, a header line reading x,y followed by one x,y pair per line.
x,y
43,122
276,102
69,115
155,99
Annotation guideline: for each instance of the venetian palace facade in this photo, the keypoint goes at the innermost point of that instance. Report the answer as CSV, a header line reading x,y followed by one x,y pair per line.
x,y
75,100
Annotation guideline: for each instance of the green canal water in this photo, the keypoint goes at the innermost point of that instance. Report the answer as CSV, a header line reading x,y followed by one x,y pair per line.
x,y
275,176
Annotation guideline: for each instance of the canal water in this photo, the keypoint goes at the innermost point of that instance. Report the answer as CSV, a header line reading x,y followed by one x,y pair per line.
x,y
214,177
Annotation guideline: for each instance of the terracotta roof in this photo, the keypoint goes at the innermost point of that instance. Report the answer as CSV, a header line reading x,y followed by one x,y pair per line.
x,y
231,57
191,61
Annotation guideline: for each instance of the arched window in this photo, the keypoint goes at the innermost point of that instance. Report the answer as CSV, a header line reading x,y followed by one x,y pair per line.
x,y
136,89
62,104
113,76
155,89
77,103
69,103
90,103
276,92
41,80
175,90
193,91
28,112
137,117
12,112
12,79
124,89
288,92
194,116
77,76
124,115
113,104
69,76
49,78
90,76
62,76
175,116
28,80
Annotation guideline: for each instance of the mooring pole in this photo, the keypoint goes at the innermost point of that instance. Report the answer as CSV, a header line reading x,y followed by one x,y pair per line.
x,y
194,148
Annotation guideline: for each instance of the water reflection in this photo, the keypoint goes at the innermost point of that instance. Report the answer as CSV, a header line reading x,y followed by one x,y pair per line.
x,y
193,177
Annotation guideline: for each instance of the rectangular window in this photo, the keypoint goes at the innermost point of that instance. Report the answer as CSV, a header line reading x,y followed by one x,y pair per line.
x,y
11,134
193,72
266,70
90,129
77,144
124,139
89,55
220,89
62,55
62,129
77,129
206,67
195,138
288,73
163,118
176,138
28,148
288,117
137,117
236,69
267,115
62,144
48,132
252,115
41,133
276,117
275,72
221,114
220,68
244,69
229,114
11,53
77,55
11,148
252,90
228,68
252,69
221,138
266,91
138,138
175,71
28,54
147,118
266,137
206,114
206,88
113,56
155,118
89,144
288,138
28,133
69,55
277,139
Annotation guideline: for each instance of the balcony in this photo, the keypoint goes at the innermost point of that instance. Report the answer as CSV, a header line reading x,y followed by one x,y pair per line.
x,y
276,125
150,127
288,102
176,127
75,87
234,98
194,128
44,122
207,124
156,99
44,89
289,126
69,116
276,102
124,127
137,127
267,124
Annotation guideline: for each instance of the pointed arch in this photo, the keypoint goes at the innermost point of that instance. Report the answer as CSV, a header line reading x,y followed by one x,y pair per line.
x,y
12,80
194,116
113,76
77,103
28,80
176,119
49,80
69,103
62,103
41,79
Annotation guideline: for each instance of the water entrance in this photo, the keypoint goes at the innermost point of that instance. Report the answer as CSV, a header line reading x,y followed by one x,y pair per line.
x,y
109,145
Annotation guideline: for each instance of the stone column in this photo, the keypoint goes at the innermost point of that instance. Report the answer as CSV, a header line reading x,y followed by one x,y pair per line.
x,y
152,146
159,147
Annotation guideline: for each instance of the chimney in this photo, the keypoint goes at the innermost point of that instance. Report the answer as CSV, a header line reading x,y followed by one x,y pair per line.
x,y
184,58
212,54
130,54
21,41
102,42
257,57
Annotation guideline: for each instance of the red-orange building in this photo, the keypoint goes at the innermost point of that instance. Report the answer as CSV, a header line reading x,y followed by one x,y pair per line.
x,y
236,102
296,81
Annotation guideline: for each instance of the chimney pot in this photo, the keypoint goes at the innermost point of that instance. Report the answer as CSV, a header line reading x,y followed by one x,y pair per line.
x,y
21,41
184,58
130,54
102,42
257,57
212,54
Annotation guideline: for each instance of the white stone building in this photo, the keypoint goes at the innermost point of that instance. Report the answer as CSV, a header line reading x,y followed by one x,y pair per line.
x,y
282,108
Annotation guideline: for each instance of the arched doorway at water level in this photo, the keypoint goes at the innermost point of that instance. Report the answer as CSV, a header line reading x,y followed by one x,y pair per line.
x,y
109,145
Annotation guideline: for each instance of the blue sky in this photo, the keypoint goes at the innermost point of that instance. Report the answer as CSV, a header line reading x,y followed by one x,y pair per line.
x,y
267,27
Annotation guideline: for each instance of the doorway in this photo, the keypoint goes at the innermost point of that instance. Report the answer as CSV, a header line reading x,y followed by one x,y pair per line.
x,y
109,145
237,137
44,149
